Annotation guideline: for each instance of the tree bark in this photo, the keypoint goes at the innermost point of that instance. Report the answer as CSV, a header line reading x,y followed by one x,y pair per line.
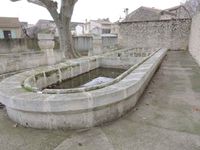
x,y
65,38
62,20
66,41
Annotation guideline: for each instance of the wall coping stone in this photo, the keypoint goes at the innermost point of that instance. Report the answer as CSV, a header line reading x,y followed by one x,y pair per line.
x,y
34,109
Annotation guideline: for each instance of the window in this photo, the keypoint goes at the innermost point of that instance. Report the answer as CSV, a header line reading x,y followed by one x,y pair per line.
x,y
105,31
7,34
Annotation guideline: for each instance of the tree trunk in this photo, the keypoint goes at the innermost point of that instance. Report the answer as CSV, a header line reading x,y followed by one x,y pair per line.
x,y
62,20
66,42
65,38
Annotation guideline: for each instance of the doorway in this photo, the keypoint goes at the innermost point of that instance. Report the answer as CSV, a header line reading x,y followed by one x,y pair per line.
x,y
7,34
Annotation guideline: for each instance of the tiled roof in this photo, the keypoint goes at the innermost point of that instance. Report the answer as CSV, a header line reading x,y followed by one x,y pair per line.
x,y
152,9
143,14
173,8
9,22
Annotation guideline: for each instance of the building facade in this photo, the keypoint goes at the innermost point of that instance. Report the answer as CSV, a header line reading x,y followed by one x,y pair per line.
x,y
98,27
49,26
10,28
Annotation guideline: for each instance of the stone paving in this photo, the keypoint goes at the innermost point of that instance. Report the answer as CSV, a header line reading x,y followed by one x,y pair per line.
x,y
167,117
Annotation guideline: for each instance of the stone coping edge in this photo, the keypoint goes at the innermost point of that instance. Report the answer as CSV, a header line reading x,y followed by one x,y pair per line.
x,y
76,110
99,86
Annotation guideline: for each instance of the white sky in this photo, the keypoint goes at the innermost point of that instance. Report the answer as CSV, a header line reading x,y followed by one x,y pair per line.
x,y
84,9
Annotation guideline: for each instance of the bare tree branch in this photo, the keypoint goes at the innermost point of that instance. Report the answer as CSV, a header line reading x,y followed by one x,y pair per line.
x,y
46,3
36,2
67,7
32,1
62,20
52,7
193,6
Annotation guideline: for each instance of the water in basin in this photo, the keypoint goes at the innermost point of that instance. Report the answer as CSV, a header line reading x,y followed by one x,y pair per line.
x,y
93,77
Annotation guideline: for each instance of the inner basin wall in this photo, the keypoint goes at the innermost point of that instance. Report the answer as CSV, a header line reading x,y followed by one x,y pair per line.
x,y
76,110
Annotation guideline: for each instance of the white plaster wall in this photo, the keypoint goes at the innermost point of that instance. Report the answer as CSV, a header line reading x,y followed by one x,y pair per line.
x,y
194,43
79,30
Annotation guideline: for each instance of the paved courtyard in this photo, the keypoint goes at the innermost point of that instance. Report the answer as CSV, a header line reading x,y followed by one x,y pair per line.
x,y
167,117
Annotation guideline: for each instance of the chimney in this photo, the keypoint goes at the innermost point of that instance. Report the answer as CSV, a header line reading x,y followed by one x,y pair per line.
x,y
126,12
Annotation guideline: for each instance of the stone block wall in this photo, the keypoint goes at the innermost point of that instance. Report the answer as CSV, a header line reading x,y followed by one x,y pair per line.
x,y
194,44
18,45
83,43
12,45
172,34
15,62
109,41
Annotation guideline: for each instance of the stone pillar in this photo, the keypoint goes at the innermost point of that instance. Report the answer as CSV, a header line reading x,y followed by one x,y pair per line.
x,y
97,46
46,44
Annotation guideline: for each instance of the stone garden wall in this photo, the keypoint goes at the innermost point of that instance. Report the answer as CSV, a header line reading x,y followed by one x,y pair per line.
x,y
17,55
17,45
83,44
15,62
172,34
109,41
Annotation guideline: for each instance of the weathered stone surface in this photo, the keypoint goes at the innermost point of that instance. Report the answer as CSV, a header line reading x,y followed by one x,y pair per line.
x,y
162,120
194,45
46,41
172,34
75,110
14,62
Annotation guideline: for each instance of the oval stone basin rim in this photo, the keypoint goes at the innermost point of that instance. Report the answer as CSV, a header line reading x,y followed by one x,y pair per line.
x,y
95,87
76,110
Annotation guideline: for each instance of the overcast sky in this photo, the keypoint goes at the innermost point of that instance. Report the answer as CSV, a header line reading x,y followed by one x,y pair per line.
x,y
84,9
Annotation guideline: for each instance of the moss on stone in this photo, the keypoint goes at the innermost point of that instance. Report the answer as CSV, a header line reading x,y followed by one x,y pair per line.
x,y
64,68
51,72
39,75
29,89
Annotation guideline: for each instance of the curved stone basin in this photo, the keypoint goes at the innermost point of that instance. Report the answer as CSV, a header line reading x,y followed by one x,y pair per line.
x,y
31,106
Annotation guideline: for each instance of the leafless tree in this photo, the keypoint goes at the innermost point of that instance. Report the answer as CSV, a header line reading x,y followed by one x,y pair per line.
x,y
193,6
62,20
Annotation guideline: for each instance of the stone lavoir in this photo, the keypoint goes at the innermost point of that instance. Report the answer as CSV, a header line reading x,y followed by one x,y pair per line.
x,y
30,104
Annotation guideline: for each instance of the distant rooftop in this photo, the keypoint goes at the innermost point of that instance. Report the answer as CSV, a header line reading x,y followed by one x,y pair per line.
x,y
144,13
173,8
151,9
42,21
9,22
149,14
103,21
